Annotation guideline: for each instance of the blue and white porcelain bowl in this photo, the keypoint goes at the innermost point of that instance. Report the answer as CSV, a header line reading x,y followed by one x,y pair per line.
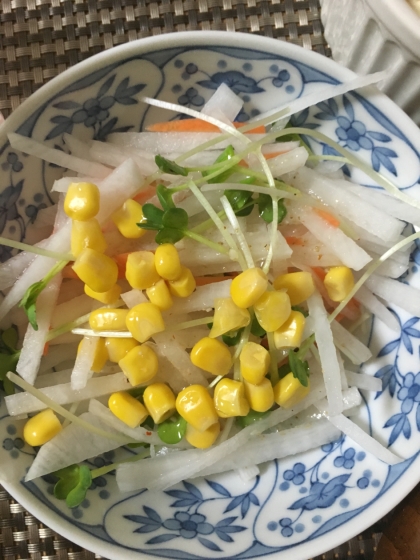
x,y
301,506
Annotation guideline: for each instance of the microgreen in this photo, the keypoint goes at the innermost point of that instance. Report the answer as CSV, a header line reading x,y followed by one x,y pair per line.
x,y
226,155
28,302
74,482
165,197
265,208
168,166
299,368
256,328
9,357
239,200
251,418
230,338
300,309
172,431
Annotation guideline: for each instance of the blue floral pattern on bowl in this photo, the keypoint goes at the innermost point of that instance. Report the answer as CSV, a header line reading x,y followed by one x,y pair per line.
x,y
298,502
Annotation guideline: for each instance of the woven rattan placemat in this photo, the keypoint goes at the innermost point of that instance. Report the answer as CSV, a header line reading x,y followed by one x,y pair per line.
x,y
39,39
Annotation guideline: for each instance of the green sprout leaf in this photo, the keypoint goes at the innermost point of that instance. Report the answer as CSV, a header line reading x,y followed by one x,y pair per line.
x,y
9,357
168,166
226,155
251,418
171,224
172,431
299,368
300,309
265,208
165,197
175,218
153,215
232,338
28,302
74,482
169,235
256,328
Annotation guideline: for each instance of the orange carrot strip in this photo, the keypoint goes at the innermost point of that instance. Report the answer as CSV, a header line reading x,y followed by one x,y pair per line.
x,y
121,261
329,218
46,348
68,272
273,154
320,272
292,240
204,280
147,193
195,125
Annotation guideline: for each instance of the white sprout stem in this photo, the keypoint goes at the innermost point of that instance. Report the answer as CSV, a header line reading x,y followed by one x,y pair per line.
x,y
53,333
273,236
73,409
189,324
226,430
266,168
218,223
123,440
230,214
36,250
274,374
277,192
370,270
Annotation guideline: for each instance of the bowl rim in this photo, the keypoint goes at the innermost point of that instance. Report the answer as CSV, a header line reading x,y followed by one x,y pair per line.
x,y
199,39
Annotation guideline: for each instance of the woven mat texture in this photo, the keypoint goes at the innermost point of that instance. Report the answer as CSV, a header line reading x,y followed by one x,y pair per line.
x,y
39,39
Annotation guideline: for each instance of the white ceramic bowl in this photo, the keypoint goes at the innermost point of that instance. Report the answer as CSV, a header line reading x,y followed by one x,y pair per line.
x,y
371,35
303,505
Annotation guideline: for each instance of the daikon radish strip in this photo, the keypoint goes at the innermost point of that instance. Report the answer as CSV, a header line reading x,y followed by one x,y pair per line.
x,y
58,157
195,461
77,147
359,436
386,202
364,214
377,308
345,248
56,356
278,193
313,98
278,148
288,162
349,344
167,373
230,214
187,338
73,445
34,341
124,182
351,399
133,297
62,185
13,268
390,268
54,378
46,216
224,104
248,473
180,359
200,300
25,403
364,381
101,334
106,416
71,310
37,269
395,292
83,364
164,142
327,353
258,450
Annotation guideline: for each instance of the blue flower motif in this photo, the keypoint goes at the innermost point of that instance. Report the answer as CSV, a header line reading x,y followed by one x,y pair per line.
x,y
93,111
189,525
286,524
295,475
353,134
322,495
12,162
8,199
346,460
282,77
191,97
409,392
14,446
238,82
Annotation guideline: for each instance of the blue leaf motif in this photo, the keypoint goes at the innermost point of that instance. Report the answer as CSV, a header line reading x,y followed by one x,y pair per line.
x,y
378,136
407,428
324,117
388,348
393,420
181,494
410,323
234,503
152,514
254,499
392,385
245,506
329,151
237,82
141,519
146,529
209,544
106,85
412,332
67,105
418,417
300,118
407,342
329,107
226,521
397,430
185,503
193,490
64,126
322,495
381,373
162,538
223,536
348,107
380,156
218,488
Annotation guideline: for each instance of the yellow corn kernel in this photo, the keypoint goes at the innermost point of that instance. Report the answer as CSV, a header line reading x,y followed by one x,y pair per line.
x,y
127,409
159,401
101,356
229,399
211,355
272,310
196,406
140,364
298,285
339,282
160,295
202,439
290,333
261,396
98,271
107,319
228,317
167,261
41,428
140,270
289,391
127,217
86,234
248,287
104,297
184,285
82,201
144,320
254,361
117,348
